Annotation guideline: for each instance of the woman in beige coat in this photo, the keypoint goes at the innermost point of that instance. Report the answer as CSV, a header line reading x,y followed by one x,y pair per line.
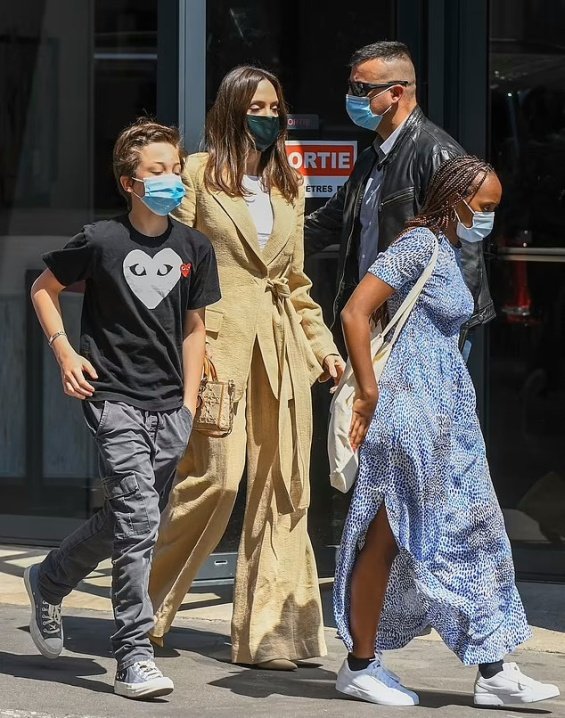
x,y
268,335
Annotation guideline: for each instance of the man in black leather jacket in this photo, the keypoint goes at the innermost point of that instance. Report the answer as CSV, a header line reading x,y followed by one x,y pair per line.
x,y
389,180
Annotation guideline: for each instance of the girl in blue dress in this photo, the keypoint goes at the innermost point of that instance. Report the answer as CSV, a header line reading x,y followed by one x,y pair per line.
x,y
424,544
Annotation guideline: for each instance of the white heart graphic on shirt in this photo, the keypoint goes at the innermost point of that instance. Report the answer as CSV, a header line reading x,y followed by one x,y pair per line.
x,y
152,278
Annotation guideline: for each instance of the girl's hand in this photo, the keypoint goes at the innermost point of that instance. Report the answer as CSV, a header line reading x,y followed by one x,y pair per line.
x,y
73,370
363,411
333,369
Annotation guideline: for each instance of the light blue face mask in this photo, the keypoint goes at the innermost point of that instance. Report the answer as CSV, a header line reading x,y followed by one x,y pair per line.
x,y
359,111
162,194
483,222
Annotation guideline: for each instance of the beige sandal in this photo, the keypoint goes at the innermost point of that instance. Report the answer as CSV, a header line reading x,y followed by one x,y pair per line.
x,y
277,664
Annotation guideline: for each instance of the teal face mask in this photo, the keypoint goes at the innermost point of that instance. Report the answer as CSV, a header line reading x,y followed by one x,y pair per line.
x,y
162,194
264,130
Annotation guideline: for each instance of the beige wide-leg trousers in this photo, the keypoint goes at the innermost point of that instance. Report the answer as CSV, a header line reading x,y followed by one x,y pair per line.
x,y
277,608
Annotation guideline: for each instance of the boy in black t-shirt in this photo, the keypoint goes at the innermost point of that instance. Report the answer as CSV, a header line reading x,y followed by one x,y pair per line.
x,y
147,281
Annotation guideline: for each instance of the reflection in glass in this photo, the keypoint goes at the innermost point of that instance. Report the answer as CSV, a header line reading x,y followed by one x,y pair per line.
x,y
72,74
310,54
527,340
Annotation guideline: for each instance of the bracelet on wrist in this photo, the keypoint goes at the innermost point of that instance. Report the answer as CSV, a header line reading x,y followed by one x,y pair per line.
x,y
55,336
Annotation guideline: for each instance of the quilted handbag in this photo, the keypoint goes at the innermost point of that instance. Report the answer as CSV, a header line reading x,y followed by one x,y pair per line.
x,y
214,415
344,462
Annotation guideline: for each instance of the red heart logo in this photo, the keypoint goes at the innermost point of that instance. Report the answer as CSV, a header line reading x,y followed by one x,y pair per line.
x,y
185,269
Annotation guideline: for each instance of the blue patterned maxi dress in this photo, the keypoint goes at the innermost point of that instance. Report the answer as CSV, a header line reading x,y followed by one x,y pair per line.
x,y
424,456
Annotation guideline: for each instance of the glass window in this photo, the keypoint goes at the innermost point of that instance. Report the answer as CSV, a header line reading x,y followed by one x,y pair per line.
x,y
72,74
309,53
527,340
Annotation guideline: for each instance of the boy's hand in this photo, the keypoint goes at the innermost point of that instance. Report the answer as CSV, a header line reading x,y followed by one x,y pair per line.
x,y
73,368
191,406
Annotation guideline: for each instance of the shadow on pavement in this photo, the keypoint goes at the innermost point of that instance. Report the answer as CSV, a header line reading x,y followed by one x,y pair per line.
x,y
85,635
314,683
320,684
67,670
211,645
440,699
88,635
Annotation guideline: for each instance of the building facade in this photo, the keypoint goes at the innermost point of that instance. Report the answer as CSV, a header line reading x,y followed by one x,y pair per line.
x,y
492,72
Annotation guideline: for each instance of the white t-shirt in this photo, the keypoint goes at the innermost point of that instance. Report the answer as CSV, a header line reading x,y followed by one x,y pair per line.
x,y
259,204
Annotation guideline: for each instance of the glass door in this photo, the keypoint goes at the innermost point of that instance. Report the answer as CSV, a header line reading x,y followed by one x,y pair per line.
x,y
71,76
308,45
526,361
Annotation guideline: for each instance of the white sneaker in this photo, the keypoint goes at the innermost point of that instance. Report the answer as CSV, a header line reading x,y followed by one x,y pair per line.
x,y
511,686
142,680
375,685
379,655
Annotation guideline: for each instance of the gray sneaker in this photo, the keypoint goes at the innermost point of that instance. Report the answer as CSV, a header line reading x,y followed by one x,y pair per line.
x,y
142,680
45,625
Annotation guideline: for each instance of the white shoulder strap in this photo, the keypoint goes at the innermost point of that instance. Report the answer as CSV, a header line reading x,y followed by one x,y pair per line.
x,y
403,312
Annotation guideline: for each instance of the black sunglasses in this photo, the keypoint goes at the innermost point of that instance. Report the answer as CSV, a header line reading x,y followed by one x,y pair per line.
x,y
362,89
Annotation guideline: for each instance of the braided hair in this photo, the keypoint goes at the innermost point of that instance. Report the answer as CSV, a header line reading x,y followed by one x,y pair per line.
x,y
456,179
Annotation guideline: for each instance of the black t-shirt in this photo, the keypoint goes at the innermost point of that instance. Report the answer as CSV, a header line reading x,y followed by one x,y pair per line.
x,y
137,290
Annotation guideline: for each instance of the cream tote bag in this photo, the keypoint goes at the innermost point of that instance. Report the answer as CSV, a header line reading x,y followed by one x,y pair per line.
x,y
344,462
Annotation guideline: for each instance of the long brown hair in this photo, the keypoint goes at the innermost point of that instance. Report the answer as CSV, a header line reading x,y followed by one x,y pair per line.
x,y
228,141
454,180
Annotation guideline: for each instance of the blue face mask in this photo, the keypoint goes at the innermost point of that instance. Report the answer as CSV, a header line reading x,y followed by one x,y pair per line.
x,y
359,111
483,222
162,194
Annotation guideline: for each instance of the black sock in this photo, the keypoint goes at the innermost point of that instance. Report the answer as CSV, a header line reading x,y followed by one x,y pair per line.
x,y
489,670
358,664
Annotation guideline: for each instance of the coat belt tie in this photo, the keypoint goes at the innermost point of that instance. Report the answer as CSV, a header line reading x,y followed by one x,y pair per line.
x,y
294,426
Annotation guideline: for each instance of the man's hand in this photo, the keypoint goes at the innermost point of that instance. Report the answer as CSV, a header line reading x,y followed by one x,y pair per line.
x,y
73,370
333,369
363,411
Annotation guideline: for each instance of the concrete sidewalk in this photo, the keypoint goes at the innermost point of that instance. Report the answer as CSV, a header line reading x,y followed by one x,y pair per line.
x,y
545,603
79,683
196,656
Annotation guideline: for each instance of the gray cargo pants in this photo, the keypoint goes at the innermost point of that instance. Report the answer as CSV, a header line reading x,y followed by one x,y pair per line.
x,y
139,451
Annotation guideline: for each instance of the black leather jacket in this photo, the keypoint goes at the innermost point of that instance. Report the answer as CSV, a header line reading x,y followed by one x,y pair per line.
x,y
418,151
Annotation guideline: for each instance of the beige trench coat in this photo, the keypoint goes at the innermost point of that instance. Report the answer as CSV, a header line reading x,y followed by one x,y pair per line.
x,y
265,299
268,335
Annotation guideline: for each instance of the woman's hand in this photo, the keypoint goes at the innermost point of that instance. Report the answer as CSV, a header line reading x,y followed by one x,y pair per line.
x,y
73,370
363,411
333,369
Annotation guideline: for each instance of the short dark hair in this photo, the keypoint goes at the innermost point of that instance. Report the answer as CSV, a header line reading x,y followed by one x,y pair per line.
x,y
144,131
382,50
